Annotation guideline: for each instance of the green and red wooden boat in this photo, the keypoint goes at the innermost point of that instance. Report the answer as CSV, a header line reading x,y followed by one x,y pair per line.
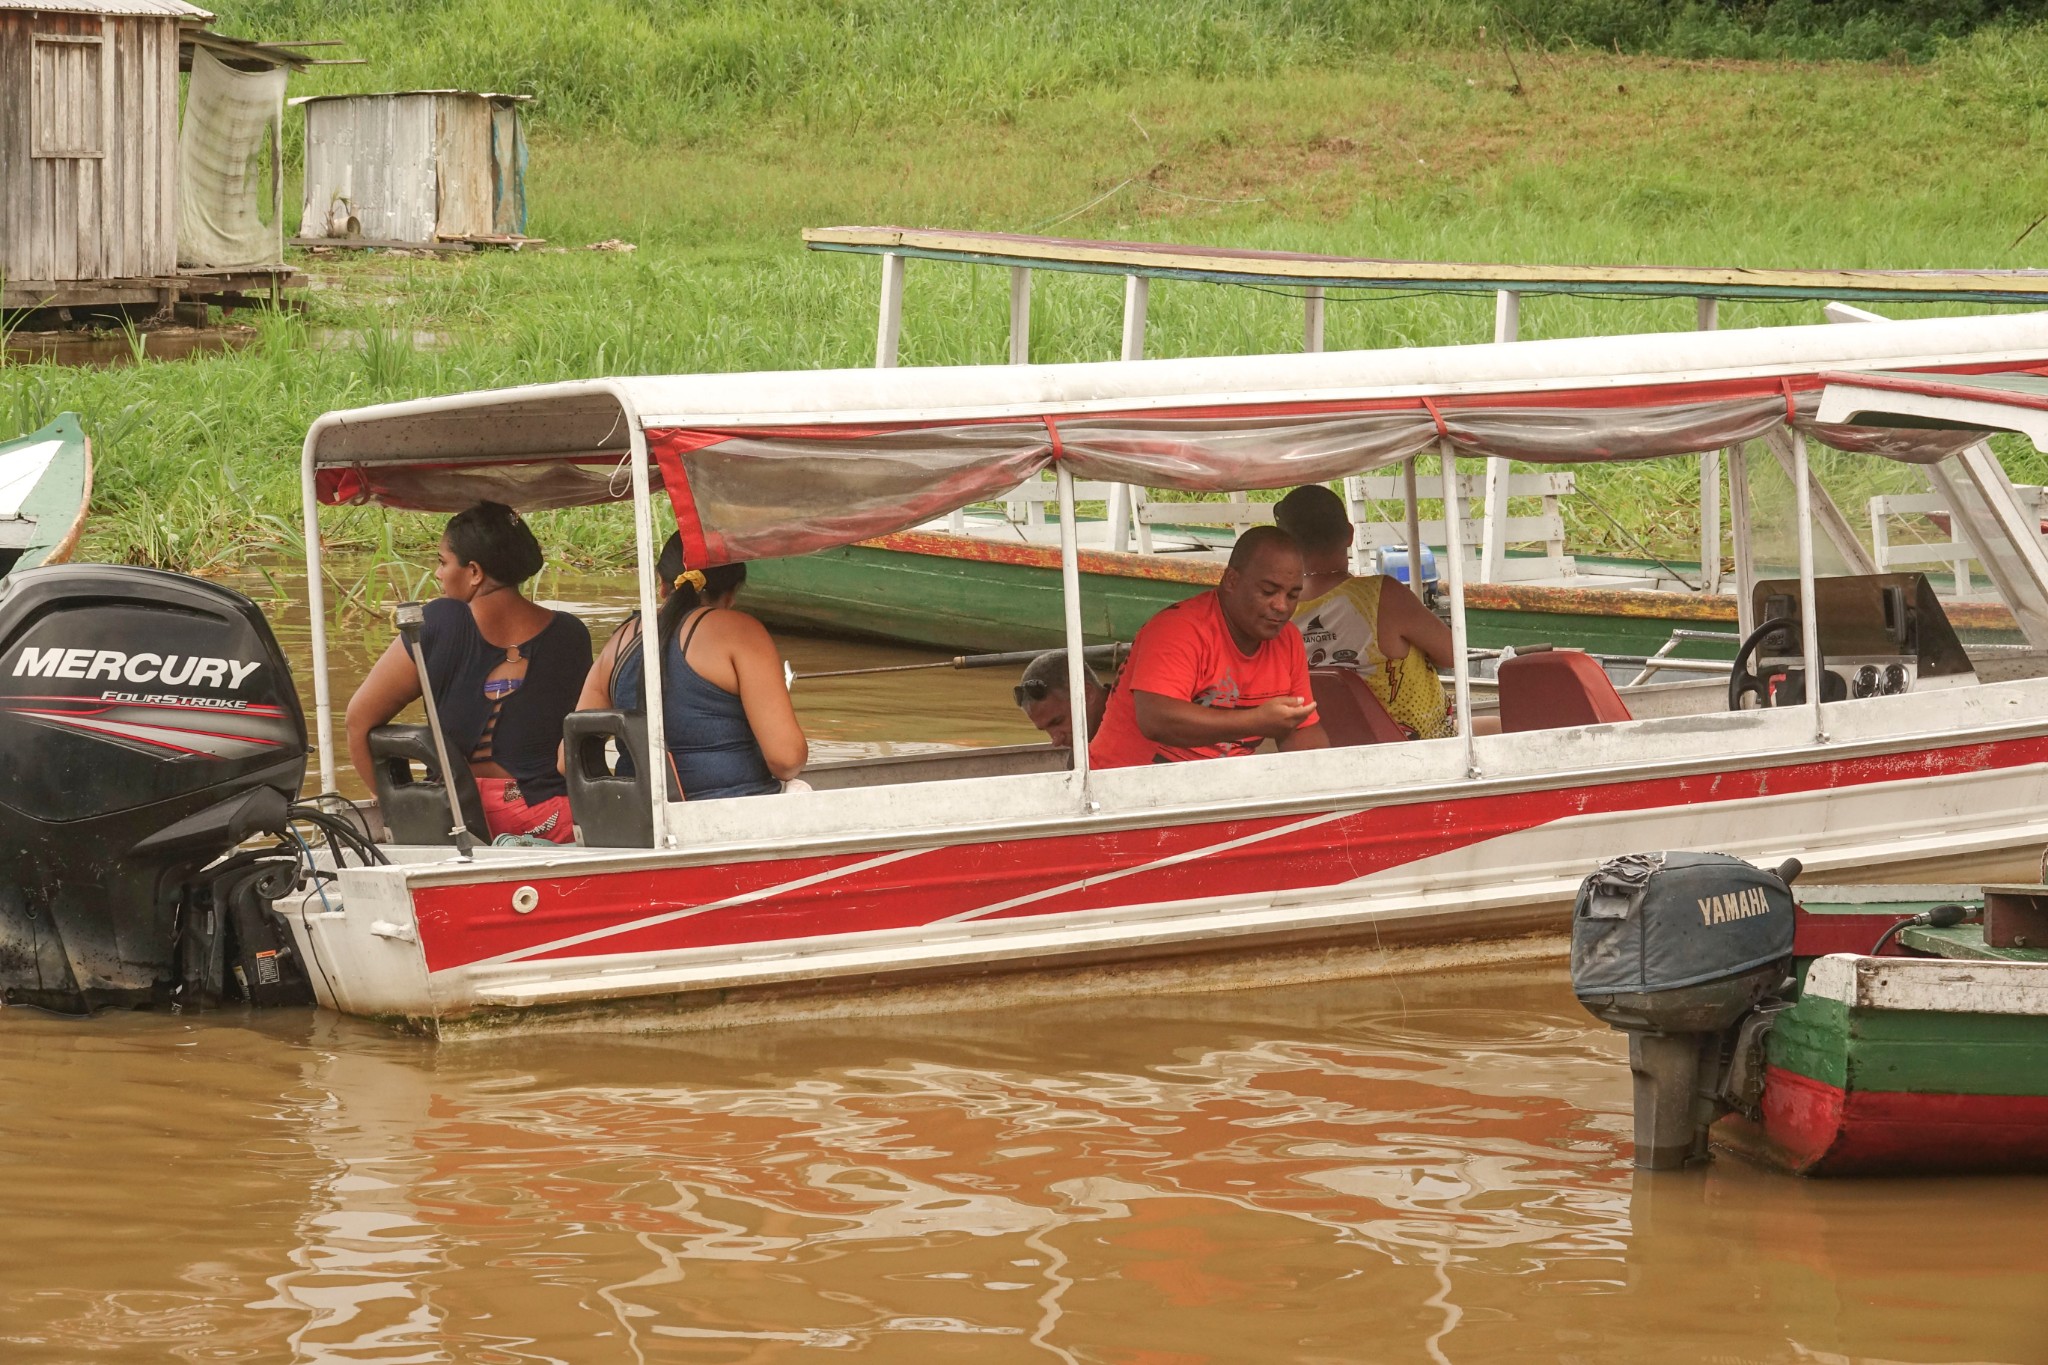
x,y
1934,1061
45,486
968,593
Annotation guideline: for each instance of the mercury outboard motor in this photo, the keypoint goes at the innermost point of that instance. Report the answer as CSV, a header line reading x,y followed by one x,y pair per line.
x,y
1684,952
148,725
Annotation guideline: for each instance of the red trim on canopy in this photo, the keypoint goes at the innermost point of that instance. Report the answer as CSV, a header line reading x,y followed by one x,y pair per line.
x,y
1934,388
668,445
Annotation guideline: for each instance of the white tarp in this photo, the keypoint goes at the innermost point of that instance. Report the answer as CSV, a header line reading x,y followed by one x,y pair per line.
x,y
223,189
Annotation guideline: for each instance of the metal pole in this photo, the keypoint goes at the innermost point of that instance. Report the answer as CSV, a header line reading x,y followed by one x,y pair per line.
x,y
1461,667
1020,315
316,608
410,618
651,643
1493,546
1743,533
1408,491
1070,595
1312,319
1137,294
1809,626
1709,319
889,327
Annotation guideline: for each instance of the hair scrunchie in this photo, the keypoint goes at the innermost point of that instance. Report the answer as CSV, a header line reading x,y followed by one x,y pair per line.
x,y
694,577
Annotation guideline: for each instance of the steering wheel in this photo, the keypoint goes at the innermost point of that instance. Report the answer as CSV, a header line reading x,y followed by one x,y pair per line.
x,y
1741,681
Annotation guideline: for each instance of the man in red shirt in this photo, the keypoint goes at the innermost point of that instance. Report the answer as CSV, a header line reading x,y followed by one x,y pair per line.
x,y
1213,676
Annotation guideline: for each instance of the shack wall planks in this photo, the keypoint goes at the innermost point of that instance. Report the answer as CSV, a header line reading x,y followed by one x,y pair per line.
x,y
88,146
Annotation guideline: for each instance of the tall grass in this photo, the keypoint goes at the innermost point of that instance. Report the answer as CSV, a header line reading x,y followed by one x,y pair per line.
x,y
1424,155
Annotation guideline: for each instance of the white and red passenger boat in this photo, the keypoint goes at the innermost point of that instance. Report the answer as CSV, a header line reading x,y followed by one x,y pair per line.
x,y
945,869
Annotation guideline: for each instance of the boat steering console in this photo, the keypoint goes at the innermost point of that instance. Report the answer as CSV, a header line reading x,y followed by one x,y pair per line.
x,y
1881,635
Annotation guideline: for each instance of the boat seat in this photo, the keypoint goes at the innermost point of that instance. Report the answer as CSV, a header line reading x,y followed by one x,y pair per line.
x,y
610,806
415,809
1349,712
1547,689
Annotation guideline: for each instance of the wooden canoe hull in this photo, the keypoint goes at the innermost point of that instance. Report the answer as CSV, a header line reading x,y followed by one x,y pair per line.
x,y
965,594
46,498
1870,1085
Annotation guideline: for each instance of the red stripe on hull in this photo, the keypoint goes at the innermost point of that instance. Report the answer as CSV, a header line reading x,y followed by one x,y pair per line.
x,y
1812,1128
463,924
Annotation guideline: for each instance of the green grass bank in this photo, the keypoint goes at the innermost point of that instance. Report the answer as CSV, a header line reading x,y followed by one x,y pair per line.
x,y
1410,129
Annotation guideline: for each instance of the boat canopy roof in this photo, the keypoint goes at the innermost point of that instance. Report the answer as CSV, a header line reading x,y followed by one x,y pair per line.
x,y
781,463
1975,403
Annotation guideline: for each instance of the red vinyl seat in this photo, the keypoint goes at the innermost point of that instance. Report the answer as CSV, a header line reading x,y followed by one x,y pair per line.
x,y
1547,689
1349,712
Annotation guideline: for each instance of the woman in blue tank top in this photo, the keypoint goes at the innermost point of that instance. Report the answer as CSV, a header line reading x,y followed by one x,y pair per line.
x,y
726,713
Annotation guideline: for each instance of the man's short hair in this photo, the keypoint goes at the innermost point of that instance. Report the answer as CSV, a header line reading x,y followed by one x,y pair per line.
x,y
1046,676
1257,540
1315,517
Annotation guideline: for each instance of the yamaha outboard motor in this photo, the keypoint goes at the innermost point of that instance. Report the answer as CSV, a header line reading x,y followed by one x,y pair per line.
x,y
1683,951
148,725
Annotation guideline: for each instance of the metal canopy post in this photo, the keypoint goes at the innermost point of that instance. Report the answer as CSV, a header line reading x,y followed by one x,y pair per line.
x,y
1312,319
1493,547
1070,595
650,634
1414,509
1709,319
1137,294
1744,536
1020,315
1833,523
316,604
1454,551
889,326
1809,625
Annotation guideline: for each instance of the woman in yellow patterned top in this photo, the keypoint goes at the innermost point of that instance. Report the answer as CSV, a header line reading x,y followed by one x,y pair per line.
x,y
1371,623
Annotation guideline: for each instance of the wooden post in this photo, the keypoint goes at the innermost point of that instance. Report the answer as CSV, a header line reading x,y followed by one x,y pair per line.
x,y
1312,319
1408,491
1020,315
1710,480
1137,294
1493,547
889,327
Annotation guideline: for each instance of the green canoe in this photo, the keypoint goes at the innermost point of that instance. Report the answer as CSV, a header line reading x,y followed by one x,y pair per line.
x,y
45,484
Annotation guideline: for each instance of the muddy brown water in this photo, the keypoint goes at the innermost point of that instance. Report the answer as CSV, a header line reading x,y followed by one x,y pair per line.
x,y
1427,1169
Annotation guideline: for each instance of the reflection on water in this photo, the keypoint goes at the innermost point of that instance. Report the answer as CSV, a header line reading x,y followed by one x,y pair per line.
x,y
844,717
1389,1171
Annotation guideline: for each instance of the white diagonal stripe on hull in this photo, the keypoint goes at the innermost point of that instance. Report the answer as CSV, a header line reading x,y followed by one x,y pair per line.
x,y
669,916
19,472
1189,856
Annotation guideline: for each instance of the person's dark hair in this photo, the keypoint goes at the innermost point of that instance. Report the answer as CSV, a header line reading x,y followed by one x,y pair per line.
x,y
1315,517
497,540
1256,540
685,595
1046,676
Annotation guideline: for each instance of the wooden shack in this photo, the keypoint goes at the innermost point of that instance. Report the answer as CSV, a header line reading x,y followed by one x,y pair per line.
x,y
414,168
90,199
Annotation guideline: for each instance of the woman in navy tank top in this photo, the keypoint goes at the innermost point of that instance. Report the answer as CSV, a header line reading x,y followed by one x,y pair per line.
x,y
730,727
505,672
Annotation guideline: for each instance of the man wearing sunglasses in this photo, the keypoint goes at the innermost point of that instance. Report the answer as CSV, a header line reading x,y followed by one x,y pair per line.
x,y
1043,697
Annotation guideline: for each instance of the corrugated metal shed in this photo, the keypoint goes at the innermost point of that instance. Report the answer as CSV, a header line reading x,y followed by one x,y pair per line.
x,y
414,166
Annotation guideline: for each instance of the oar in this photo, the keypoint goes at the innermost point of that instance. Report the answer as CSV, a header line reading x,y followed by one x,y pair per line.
x,y
1093,653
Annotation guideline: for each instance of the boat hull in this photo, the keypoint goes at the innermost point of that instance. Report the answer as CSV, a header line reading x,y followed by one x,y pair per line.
x,y
1355,886
966,594
45,489
1906,1066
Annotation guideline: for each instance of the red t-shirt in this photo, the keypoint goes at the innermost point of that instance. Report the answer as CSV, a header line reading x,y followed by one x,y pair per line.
x,y
1186,652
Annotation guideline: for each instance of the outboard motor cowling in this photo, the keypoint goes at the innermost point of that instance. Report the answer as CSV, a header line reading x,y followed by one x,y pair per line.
x,y
148,725
1676,949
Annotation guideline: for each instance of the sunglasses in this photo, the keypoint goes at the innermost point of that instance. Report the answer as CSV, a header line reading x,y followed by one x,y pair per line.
x,y
1031,690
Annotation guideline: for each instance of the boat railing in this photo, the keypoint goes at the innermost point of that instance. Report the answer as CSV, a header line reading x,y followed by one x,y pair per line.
x,y
1891,513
